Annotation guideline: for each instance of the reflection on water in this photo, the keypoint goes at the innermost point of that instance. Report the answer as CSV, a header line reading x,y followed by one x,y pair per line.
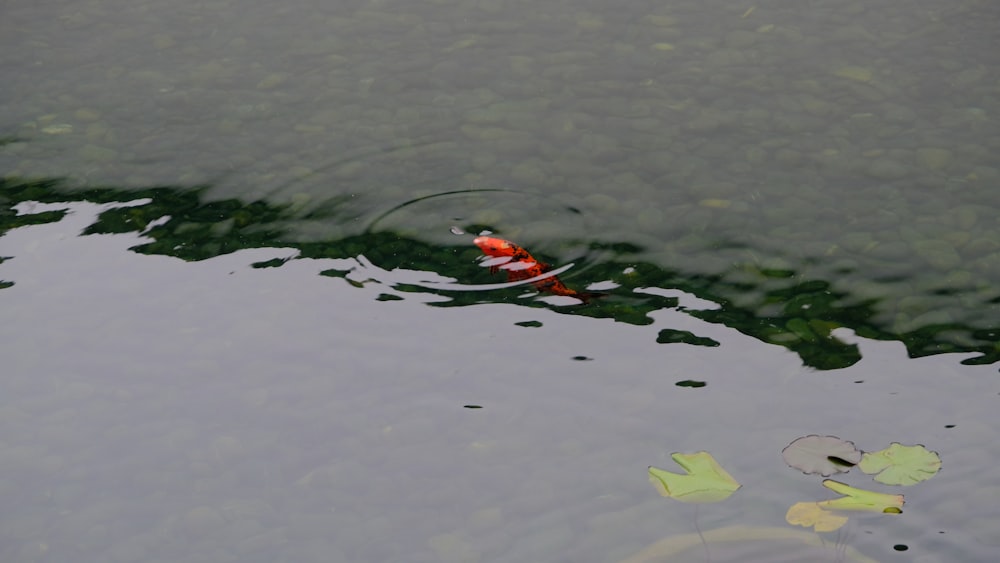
x,y
745,543
808,166
207,410
789,310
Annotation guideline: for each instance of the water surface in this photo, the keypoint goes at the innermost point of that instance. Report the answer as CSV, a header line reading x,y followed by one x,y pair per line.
x,y
264,343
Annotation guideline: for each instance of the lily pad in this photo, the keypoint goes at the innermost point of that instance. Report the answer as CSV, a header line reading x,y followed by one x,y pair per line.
x,y
821,455
901,465
860,499
812,515
705,481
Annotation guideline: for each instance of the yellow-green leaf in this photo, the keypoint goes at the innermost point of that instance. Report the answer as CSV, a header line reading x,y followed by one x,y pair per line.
x,y
812,515
860,499
705,481
901,465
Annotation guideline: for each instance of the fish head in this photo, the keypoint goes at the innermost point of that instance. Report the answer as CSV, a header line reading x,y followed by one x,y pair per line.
x,y
492,246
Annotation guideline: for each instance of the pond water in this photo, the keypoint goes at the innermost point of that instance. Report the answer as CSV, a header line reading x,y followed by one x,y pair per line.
x,y
244,318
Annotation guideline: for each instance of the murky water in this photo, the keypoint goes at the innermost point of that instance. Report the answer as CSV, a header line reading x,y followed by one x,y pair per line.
x,y
268,344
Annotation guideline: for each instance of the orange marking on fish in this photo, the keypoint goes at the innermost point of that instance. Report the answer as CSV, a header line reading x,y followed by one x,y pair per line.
x,y
522,266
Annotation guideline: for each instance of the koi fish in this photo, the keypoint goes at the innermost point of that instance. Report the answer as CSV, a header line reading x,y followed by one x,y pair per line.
x,y
522,266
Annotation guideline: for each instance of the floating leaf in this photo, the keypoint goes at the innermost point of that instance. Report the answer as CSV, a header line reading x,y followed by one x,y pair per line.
x,y
822,455
860,499
812,515
706,480
901,465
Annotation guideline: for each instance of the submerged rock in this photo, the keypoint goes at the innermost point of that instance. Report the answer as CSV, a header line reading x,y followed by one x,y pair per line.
x,y
938,253
887,169
858,73
934,158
